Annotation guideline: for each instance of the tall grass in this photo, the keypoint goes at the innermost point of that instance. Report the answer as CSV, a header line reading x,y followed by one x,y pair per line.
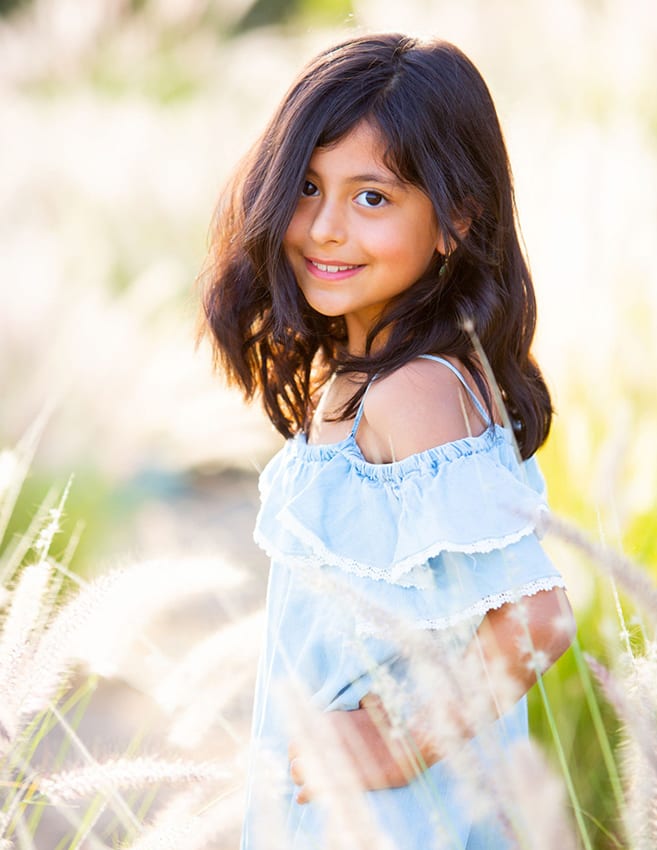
x,y
60,637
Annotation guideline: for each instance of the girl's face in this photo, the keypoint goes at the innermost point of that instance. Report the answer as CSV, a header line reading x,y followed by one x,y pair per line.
x,y
359,236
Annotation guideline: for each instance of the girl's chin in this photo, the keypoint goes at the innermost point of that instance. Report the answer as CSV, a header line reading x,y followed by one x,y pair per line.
x,y
325,307
327,312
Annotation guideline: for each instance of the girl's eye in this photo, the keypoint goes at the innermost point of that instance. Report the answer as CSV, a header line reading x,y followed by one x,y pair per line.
x,y
308,189
370,199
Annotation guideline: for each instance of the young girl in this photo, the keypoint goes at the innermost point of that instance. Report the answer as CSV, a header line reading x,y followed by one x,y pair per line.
x,y
366,279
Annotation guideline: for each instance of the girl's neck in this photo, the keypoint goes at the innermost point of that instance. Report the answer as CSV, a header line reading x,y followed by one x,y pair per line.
x,y
357,338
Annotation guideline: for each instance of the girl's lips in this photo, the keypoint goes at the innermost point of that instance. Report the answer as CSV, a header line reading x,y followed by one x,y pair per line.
x,y
331,271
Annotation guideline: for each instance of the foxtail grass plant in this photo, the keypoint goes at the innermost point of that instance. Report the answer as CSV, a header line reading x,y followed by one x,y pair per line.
x,y
62,637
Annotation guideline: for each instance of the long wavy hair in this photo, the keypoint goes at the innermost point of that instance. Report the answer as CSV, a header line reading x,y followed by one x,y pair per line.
x,y
441,134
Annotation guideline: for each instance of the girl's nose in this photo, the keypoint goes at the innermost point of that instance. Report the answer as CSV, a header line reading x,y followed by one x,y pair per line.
x,y
328,224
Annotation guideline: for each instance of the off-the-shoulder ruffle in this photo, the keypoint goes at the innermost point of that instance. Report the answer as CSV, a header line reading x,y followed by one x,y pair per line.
x,y
328,506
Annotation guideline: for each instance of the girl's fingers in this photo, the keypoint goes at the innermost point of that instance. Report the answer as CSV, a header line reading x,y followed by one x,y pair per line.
x,y
303,796
292,750
296,771
371,701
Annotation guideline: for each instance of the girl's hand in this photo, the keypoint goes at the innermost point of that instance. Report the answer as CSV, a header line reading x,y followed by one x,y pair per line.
x,y
379,756
513,644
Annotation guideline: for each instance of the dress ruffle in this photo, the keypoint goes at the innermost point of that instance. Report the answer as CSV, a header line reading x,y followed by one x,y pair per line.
x,y
328,506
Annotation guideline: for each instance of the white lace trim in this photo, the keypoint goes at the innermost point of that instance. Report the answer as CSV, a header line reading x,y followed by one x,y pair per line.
x,y
404,573
479,608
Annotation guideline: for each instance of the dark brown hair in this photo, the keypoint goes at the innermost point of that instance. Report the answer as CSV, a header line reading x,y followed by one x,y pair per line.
x,y
438,122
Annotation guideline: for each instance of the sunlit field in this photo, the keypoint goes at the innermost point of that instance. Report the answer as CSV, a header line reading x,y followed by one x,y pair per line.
x,y
131,593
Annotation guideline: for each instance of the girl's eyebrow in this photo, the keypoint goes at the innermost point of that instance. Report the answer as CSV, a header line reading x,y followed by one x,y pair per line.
x,y
370,177
376,178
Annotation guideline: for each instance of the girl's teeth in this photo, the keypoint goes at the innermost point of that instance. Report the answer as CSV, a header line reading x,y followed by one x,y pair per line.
x,y
325,268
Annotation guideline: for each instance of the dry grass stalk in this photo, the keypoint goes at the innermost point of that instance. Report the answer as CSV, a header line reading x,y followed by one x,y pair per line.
x,y
14,466
99,625
629,575
633,694
19,634
197,689
522,795
5,843
126,774
101,622
334,783
192,821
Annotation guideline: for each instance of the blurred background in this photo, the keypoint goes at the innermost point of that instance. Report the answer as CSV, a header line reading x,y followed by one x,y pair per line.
x,y
120,121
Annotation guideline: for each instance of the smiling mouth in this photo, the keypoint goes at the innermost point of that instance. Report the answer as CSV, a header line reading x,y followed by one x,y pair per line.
x,y
330,268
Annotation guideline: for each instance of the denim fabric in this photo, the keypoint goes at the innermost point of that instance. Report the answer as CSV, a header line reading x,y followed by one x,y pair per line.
x,y
364,556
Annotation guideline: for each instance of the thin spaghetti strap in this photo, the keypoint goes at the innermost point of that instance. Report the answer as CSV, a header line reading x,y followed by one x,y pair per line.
x,y
480,408
361,407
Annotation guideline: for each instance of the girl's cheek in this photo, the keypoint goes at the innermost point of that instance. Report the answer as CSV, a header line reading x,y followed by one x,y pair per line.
x,y
295,227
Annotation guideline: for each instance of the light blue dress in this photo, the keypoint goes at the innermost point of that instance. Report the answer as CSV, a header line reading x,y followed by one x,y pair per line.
x,y
363,557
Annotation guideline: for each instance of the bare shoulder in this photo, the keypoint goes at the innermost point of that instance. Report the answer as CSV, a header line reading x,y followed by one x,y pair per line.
x,y
421,405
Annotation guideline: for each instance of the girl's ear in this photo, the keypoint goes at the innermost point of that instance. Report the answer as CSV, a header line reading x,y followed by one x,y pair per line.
x,y
445,245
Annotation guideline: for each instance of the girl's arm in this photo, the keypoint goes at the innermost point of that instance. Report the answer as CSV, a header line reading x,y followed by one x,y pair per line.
x,y
512,645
